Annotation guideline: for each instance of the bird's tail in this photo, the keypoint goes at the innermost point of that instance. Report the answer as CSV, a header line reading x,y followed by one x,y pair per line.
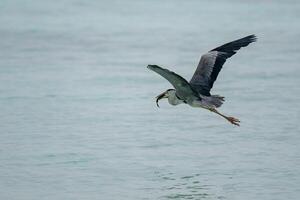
x,y
217,100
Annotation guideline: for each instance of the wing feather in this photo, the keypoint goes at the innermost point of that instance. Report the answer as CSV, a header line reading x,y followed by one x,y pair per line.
x,y
182,87
212,62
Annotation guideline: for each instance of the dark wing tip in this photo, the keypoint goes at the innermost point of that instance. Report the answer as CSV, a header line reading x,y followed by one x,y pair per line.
x,y
231,47
243,42
251,38
152,67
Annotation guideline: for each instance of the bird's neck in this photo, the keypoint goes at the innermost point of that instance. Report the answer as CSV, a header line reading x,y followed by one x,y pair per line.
x,y
173,99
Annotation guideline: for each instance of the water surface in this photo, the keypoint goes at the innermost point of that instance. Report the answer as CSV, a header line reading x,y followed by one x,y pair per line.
x,y
78,118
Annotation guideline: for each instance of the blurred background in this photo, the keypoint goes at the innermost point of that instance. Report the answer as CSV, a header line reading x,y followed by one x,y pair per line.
x,y
77,113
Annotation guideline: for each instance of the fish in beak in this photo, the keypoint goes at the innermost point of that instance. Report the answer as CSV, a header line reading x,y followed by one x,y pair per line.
x,y
159,97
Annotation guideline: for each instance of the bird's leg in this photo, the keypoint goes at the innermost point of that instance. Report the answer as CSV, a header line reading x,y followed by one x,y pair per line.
x,y
230,119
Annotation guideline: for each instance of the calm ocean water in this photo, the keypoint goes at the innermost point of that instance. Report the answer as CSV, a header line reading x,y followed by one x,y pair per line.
x,y
77,113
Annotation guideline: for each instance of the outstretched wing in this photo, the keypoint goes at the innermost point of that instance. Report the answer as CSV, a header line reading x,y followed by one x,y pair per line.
x,y
211,64
183,88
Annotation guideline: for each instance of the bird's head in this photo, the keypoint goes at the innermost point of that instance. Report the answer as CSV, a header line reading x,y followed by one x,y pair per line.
x,y
163,95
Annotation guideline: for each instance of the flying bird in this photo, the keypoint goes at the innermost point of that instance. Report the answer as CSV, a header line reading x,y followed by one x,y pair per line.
x,y
196,92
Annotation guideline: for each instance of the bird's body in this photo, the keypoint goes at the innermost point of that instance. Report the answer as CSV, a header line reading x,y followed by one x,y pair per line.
x,y
207,102
196,93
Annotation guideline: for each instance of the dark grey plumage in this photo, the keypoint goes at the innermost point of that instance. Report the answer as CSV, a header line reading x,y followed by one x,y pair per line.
x,y
212,62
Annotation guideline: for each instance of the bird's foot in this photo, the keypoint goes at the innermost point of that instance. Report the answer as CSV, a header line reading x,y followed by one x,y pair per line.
x,y
234,121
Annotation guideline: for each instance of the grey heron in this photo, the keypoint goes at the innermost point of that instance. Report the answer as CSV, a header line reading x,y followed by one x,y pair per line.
x,y
196,92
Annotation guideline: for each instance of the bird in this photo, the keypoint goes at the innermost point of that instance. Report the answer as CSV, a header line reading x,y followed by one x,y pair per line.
x,y
196,92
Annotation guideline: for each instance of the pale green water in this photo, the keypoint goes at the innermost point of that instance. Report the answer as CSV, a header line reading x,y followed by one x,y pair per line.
x,y
77,112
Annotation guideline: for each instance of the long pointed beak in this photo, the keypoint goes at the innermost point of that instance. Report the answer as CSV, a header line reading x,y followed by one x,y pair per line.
x,y
161,96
